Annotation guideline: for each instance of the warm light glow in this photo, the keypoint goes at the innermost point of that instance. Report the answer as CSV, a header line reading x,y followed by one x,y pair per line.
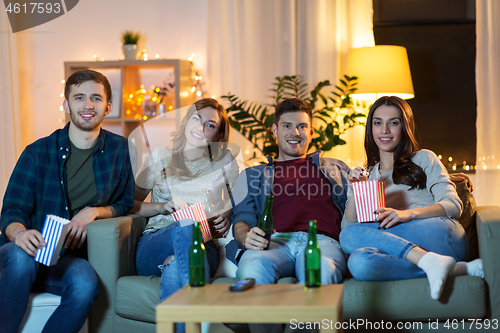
x,y
170,107
145,117
198,93
63,81
190,59
193,89
454,167
131,95
450,158
157,56
62,95
193,55
61,108
381,70
440,157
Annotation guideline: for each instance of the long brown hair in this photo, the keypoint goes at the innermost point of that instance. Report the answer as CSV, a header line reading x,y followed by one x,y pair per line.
x,y
216,150
404,170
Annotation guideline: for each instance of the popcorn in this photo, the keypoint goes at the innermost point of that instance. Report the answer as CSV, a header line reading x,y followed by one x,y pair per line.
x,y
368,196
195,213
54,232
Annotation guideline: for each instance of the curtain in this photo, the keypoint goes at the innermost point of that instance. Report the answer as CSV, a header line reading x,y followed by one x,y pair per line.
x,y
10,128
252,42
487,189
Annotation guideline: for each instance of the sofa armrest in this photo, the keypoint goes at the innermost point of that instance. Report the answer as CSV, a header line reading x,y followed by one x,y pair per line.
x,y
488,235
111,250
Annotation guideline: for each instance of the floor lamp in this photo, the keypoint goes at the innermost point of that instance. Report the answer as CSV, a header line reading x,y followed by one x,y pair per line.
x,y
382,70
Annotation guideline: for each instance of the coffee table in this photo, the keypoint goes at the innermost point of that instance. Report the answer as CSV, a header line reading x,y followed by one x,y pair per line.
x,y
276,303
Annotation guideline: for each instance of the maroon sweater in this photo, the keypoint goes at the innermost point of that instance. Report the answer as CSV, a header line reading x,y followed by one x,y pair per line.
x,y
303,193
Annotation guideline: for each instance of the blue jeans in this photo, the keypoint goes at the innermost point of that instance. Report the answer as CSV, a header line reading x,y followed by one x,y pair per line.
x,y
285,258
379,255
155,247
71,278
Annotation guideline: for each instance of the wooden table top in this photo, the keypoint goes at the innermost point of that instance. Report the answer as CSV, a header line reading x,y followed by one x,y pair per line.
x,y
261,303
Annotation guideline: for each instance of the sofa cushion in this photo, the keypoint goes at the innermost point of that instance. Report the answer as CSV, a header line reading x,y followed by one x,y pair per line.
x,y
136,297
463,297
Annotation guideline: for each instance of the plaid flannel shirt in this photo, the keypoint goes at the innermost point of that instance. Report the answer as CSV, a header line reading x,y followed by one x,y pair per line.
x,y
38,185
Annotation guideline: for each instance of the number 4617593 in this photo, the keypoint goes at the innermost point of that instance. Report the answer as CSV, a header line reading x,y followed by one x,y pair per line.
x,y
34,8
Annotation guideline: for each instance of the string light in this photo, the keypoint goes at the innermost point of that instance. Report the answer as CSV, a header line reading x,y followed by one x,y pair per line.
x,y
460,166
96,58
61,108
147,103
198,85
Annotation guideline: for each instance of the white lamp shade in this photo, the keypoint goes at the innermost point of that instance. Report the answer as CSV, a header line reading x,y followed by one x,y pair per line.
x,y
382,70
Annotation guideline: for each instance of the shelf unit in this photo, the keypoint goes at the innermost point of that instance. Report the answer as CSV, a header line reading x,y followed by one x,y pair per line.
x,y
127,76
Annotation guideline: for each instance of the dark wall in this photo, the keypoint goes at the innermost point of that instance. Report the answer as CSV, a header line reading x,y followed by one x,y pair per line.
x,y
440,38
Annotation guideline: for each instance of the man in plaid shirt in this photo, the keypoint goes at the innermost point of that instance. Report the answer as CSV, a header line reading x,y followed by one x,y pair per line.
x,y
81,173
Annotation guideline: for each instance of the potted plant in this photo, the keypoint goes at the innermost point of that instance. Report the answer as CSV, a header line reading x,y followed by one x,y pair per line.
x,y
333,113
130,48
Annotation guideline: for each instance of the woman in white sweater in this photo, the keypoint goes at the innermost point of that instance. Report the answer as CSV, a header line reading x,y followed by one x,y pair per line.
x,y
199,167
416,234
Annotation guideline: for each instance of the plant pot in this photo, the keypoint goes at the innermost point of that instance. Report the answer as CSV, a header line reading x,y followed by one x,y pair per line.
x,y
130,51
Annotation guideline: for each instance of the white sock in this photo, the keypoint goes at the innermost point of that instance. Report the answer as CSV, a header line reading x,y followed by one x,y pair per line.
x,y
473,268
437,268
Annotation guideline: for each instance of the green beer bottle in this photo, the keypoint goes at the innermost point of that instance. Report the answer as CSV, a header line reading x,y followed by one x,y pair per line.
x,y
312,258
197,258
266,220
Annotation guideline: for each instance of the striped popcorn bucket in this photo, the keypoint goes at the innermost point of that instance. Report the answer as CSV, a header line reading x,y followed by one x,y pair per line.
x,y
54,232
368,195
195,213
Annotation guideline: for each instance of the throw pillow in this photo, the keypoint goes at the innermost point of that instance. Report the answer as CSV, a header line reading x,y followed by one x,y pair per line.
x,y
468,217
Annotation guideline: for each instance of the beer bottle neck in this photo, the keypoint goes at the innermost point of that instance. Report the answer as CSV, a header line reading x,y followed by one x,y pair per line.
x,y
197,236
312,233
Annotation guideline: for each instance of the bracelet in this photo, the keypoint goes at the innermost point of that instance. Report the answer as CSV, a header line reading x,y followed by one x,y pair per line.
x,y
17,233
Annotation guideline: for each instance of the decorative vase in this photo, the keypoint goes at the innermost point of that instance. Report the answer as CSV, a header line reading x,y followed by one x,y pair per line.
x,y
130,51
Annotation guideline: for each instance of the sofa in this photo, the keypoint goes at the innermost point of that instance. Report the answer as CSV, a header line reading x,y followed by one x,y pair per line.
x,y
127,302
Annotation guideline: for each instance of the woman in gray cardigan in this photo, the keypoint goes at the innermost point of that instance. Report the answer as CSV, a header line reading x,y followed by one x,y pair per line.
x,y
415,234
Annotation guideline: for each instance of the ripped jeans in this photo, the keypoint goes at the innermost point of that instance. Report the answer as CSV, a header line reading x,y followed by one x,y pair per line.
x,y
155,247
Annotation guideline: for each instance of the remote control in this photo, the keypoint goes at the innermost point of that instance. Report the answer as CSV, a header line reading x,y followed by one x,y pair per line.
x,y
242,285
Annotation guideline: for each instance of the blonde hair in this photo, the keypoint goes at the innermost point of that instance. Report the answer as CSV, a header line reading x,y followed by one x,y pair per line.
x,y
177,166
